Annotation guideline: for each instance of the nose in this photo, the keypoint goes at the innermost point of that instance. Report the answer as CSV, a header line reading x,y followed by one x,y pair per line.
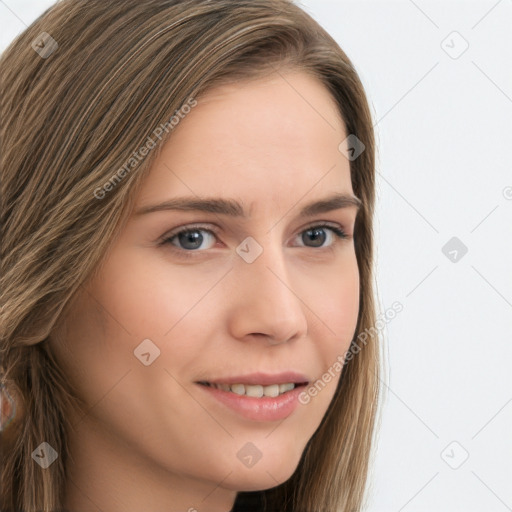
x,y
264,302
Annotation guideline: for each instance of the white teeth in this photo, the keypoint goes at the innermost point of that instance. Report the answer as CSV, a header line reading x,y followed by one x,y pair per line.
x,y
256,390
286,387
239,389
272,390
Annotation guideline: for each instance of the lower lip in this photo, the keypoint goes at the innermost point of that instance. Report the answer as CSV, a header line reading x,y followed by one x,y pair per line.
x,y
258,409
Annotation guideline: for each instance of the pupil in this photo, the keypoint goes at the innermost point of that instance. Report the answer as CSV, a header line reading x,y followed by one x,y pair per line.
x,y
195,237
317,235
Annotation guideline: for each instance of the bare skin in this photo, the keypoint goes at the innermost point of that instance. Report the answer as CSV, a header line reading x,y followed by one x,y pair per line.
x,y
153,438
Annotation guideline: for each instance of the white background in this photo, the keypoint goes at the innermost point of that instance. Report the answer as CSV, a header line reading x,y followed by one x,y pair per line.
x,y
444,132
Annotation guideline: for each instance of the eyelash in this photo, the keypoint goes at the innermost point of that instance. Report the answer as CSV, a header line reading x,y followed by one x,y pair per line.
x,y
338,232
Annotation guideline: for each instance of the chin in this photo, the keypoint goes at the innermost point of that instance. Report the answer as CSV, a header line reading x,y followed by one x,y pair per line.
x,y
260,481
263,475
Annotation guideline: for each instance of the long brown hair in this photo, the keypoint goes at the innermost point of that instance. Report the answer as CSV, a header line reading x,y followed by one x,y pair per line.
x,y
73,110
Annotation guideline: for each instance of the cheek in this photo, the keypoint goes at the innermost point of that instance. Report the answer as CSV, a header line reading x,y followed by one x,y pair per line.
x,y
332,327
153,300
335,308
89,347
344,315
121,309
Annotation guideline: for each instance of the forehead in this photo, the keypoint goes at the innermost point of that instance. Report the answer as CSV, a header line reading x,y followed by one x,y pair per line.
x,y
275,137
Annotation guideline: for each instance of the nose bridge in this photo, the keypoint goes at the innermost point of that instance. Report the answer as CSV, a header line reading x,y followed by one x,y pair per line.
x,y
271,305
268,267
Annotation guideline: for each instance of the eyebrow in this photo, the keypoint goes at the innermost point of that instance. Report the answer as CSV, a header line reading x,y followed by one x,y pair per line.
x,y
235,209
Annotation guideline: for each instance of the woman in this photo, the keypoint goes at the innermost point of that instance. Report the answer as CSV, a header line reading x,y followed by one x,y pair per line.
x,y
188,193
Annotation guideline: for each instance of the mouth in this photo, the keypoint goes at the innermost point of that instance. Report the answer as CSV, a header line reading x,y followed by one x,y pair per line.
x,y
256,390
258,384
259,397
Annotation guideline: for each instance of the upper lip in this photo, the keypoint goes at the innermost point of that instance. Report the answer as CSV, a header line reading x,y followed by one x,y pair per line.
x,y
265,379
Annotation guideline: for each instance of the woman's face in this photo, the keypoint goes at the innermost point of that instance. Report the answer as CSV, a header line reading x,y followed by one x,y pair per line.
x,y
251,295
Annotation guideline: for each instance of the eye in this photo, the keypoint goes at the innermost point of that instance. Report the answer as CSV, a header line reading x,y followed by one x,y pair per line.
x,y
318,234
191,239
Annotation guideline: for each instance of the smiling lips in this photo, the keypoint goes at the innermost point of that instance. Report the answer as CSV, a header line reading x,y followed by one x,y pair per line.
x,y
259,397
257,385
